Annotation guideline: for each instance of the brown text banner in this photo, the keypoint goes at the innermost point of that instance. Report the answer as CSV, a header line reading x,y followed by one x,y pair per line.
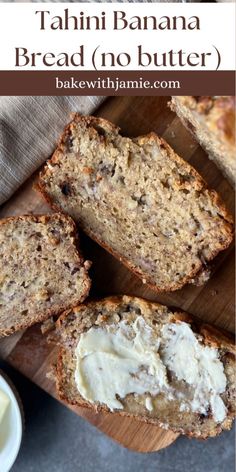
x,y
141,83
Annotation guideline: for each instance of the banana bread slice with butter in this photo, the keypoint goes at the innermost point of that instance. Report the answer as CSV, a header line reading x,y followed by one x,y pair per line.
x,y
140,359
41,270
212,122
139,200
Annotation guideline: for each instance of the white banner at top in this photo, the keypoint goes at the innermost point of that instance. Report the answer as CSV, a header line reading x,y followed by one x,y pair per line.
x,y
115,36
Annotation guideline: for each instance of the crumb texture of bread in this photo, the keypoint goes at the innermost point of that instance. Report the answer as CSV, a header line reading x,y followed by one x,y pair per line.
x,y
42,273
139,200
165,407
212,121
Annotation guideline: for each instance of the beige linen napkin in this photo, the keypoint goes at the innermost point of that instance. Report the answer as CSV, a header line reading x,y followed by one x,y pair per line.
x,y
29,130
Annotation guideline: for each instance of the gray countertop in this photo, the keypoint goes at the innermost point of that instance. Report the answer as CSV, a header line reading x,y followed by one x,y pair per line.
x,y
57,440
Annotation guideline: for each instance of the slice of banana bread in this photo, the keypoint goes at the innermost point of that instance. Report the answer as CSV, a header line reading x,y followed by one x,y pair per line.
x,y
139,200
141,359
212,121
41,270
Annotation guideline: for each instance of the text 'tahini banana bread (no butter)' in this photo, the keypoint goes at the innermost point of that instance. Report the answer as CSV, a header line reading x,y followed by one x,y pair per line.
x,y
41,270
141,359
212,121
138,199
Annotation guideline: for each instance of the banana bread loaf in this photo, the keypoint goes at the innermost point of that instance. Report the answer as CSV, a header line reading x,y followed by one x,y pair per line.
x,y
41,270
139,200
212,121
141,359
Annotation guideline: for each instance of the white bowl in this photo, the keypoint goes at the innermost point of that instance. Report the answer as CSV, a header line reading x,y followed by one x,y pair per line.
x,y
14,426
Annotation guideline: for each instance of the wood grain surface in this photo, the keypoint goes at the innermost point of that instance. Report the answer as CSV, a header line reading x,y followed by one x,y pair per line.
x,y
29,352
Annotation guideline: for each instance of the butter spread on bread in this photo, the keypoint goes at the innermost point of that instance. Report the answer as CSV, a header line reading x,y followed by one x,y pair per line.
x,y
142,359
118,360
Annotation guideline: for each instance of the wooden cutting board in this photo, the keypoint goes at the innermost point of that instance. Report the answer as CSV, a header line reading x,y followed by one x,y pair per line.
x,y
29,353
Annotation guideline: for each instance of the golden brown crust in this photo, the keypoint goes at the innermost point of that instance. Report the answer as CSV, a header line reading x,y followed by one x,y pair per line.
x,y
210,333
219,110
199,183
47,313
211,336
211,120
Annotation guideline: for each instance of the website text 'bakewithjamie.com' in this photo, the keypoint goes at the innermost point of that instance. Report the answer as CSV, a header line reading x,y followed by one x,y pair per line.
x,y
116,84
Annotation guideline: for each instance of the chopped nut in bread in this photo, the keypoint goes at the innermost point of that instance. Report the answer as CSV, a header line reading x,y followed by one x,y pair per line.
x,y
39,278
139,200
